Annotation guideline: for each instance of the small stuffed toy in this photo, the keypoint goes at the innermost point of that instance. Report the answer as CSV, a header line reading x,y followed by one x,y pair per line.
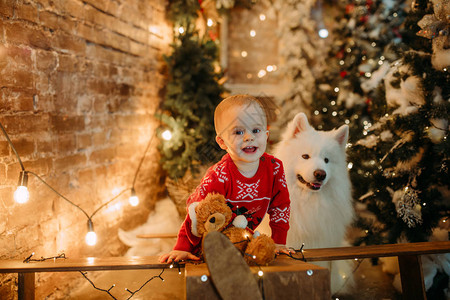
x,y
213,214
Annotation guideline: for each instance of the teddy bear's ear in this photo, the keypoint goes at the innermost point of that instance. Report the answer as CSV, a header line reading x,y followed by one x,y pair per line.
x,y
193,216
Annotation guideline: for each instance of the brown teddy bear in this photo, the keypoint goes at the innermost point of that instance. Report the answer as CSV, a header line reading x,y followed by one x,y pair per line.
x,y
213,214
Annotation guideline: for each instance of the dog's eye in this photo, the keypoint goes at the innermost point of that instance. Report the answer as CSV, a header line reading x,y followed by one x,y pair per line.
x,y
305,156
326,160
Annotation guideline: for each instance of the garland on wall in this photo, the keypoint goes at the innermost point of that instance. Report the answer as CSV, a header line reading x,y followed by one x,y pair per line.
x,y
192,92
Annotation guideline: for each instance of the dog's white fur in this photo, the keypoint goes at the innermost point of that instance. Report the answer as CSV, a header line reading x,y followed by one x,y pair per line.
x,y
322,212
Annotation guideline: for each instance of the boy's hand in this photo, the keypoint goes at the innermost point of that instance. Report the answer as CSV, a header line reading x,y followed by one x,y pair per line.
x,y
176,256
282,248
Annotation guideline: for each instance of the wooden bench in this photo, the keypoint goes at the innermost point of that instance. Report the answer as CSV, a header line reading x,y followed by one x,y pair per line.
x,y
408,257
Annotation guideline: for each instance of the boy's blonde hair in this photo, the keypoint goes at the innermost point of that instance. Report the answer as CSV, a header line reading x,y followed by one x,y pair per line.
x,y
236,100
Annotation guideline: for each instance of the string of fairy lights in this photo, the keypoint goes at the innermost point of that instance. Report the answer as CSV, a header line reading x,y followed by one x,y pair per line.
x,y
132,293
22,195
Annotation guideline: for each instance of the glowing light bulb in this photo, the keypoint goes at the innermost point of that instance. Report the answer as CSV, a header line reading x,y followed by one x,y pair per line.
x,y
260,273
91,236
181,30
244,53
252,33
133,200
210,22
323,33
262,17
167,135
21,195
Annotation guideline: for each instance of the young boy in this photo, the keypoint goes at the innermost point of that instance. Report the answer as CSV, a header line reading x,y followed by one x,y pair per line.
x,y
251,180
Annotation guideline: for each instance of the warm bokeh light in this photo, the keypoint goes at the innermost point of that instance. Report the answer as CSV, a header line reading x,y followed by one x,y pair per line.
x,y
323,33
167,135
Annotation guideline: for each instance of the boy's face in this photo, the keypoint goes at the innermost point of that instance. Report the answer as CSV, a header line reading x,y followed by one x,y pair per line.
x,y
243,132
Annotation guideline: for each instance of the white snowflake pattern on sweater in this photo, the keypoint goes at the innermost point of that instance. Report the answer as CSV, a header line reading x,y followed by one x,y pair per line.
x,y
276,169
282,180
249,190
280,214
222,175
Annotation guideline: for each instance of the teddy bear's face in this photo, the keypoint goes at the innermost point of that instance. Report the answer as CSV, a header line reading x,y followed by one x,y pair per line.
x,y
213,214
215,222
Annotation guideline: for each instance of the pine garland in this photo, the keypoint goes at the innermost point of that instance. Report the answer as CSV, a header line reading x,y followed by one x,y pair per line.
x,y
192,93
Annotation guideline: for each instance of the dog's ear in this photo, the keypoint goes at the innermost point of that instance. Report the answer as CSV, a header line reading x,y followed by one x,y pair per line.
x,y
341,135
300,123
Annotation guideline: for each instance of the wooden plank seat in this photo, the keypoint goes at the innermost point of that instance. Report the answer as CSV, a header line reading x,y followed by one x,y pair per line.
x,y
408,256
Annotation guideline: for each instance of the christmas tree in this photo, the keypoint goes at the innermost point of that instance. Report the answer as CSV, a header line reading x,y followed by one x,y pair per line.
x,y
388,79
404,157
366,39
193,91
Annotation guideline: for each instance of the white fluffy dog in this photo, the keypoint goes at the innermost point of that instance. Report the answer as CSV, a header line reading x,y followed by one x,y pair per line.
x,y
320,191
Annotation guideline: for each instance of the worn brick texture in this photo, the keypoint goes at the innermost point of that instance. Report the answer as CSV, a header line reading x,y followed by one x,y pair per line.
x,y
80,81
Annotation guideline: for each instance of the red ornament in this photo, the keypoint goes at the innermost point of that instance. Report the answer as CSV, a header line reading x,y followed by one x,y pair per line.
x,y
397,32
363,19
369,105
343,74
212,35
349,8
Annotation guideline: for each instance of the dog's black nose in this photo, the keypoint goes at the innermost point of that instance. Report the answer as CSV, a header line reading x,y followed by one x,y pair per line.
x,y
212,220
320,174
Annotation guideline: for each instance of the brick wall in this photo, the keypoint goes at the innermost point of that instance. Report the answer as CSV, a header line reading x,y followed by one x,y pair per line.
x,y
79,84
